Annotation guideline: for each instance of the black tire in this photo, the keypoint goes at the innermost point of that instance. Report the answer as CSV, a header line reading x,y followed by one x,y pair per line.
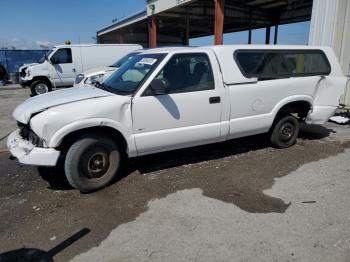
x,y
285,132
92,162
39,87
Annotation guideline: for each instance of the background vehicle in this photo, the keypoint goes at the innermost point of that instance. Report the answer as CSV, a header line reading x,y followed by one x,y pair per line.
x,y
171,98
101,73
62,63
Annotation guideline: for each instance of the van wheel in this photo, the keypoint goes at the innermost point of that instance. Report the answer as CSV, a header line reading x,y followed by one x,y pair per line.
x,y
285,132
40,87
92,162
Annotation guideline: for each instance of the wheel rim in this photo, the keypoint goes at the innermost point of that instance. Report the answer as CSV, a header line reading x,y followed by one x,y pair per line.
x,y
95,163
286,132
41,88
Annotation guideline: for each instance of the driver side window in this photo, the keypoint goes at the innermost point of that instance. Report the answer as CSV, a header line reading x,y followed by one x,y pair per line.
x,y
62,56
188,73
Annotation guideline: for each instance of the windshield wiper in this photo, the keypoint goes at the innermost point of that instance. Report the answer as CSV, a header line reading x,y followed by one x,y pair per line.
x,y
107,88
101,86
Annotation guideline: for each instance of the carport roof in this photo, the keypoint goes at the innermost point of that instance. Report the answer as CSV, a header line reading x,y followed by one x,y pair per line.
x,y
239,16
134,18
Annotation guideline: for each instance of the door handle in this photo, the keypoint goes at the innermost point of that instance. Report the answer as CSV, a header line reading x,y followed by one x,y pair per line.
x,y
214,100
73,70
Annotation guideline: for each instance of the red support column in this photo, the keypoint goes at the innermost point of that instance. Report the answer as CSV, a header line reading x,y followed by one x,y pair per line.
x,y
152,31
219,21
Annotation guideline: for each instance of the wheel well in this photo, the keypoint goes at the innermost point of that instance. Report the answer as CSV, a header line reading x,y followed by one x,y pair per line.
x,y
43,78
69,139
301,108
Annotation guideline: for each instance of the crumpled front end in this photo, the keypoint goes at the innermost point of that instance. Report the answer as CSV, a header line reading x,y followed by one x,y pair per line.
x,y
26,146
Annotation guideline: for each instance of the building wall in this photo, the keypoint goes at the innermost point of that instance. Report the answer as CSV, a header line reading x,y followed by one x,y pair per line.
x,y
330,26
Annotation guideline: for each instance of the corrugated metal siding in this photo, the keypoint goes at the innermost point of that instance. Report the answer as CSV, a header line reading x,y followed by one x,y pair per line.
x,y
330,27
345,47
322,22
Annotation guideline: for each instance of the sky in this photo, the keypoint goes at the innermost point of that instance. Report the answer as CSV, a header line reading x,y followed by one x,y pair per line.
x,y
28,24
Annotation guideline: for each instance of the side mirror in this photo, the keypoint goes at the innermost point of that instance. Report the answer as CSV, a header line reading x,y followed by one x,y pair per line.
x,y
159,87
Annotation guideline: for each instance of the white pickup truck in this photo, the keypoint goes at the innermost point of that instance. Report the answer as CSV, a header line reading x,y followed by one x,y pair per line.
x,y
170,98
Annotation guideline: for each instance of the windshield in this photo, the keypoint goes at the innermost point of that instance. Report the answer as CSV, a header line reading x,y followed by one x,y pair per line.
x,y
124,59
128,78
46,55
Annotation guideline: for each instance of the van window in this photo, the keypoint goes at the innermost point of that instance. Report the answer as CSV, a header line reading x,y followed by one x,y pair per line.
x,y
275,64
188,73
62,56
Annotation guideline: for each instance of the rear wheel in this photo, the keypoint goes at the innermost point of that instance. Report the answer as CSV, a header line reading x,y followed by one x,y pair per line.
x,y
285,132
92,162
40,87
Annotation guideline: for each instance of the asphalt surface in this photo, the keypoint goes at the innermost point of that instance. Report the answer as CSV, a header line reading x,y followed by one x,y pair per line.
x,y
236,201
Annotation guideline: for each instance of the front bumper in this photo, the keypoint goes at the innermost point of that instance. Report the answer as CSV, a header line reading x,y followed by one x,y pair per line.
x,y
29,154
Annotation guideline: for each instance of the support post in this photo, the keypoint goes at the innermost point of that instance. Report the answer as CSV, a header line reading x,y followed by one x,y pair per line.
x,y
276,35
186,41
152,32
250,27
219,21
268,33
250,36
120,39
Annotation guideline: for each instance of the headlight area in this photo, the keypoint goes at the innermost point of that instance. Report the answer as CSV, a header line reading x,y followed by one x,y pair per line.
x,y
28,134
92,79
23,73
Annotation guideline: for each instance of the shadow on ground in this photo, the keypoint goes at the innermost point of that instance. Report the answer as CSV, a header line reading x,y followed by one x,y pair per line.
x,y
55,176
236,171
314,132
33,255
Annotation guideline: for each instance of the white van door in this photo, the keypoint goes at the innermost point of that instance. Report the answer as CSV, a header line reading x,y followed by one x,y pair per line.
x,y
188,115
62,71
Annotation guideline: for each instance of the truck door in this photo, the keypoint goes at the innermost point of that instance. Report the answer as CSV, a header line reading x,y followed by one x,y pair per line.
x,y
62,71
188,115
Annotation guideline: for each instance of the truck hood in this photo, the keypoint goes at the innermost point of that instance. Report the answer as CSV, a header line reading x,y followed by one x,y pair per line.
x,y
40,103
99,70
26,65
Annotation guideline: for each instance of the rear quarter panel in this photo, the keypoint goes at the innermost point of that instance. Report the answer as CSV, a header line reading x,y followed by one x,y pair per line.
x,y
254,106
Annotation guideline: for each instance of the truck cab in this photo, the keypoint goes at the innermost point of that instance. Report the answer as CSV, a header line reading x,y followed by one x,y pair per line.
x,y
170,98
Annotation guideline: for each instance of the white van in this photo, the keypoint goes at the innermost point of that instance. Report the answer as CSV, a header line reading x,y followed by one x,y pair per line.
x,y
60,66
91,76
170,98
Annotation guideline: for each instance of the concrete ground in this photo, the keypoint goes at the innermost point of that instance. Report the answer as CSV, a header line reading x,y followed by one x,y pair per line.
x,y
236,201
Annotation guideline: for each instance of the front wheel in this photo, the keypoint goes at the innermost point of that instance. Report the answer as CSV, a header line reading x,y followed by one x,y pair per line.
x,y
40,87
285,132
92,162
